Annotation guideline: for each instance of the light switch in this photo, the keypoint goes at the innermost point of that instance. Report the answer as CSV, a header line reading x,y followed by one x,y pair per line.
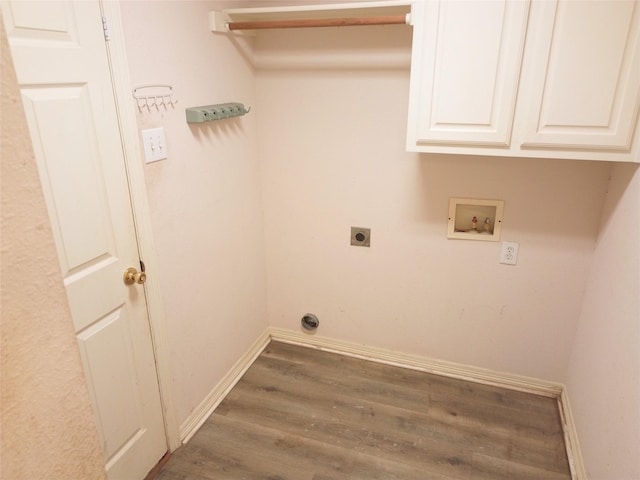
x,y
155,145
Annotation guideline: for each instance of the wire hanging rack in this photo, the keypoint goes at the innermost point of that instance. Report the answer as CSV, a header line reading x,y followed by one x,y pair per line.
x,y
154,96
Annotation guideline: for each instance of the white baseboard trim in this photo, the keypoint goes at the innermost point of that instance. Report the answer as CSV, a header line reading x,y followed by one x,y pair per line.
x,y
200,414
415,362
578,471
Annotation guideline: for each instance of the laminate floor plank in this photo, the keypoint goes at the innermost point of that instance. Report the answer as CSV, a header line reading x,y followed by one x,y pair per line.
x,y
427,396
418,390
382,431
533,426
303,413
387,376
277,453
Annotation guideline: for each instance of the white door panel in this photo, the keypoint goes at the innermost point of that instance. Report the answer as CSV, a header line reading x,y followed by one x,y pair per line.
x,y
582,88
83,229
465,68
63,70
119,410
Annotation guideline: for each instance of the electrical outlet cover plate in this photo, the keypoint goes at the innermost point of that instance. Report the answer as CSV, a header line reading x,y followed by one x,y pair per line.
x,y
509,253
360,237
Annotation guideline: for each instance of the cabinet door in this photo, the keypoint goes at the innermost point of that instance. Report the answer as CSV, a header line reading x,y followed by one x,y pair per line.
x,y
581,87
464,73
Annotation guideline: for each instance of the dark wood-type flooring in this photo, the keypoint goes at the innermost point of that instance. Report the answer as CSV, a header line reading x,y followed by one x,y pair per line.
x,y
304,414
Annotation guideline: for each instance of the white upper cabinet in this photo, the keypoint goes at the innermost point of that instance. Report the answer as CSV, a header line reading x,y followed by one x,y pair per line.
x,y
466,66
546,78
581,89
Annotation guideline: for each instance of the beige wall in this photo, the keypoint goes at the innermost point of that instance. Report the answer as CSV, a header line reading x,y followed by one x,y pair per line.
x,y
604,370
48,427
205,198
331,143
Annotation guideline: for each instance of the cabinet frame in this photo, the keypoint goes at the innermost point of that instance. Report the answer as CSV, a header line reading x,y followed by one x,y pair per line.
x,y
549,115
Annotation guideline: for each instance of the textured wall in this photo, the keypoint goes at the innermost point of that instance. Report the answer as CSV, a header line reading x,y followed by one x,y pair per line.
x,y
205,198
331,143
604,371
48,427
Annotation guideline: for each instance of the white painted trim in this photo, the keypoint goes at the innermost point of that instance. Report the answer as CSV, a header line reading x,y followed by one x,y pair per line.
x,y
578,471
415,362
218,19
133,160
224,386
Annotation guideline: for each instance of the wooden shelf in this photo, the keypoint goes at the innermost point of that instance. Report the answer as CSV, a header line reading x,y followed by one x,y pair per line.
x,y
220,20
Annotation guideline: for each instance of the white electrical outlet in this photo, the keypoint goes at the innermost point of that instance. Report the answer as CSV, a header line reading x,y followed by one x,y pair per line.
x,y
509,253
155,145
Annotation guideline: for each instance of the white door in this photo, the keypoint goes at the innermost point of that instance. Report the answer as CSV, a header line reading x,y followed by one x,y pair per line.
x,y
62,66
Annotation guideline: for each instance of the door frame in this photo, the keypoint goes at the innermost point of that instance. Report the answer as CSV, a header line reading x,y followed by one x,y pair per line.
x,y
128,126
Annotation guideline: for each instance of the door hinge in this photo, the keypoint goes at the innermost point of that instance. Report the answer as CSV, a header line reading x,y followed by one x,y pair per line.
x,y
106,28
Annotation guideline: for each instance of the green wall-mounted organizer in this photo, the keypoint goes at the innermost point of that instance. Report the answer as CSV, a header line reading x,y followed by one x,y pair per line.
x,y
219,111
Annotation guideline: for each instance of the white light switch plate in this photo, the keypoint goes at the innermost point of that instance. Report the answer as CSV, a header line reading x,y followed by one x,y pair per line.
x,y
155,145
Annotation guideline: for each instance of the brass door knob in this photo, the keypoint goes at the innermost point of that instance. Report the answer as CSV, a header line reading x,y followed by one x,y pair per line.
x,y
131,276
